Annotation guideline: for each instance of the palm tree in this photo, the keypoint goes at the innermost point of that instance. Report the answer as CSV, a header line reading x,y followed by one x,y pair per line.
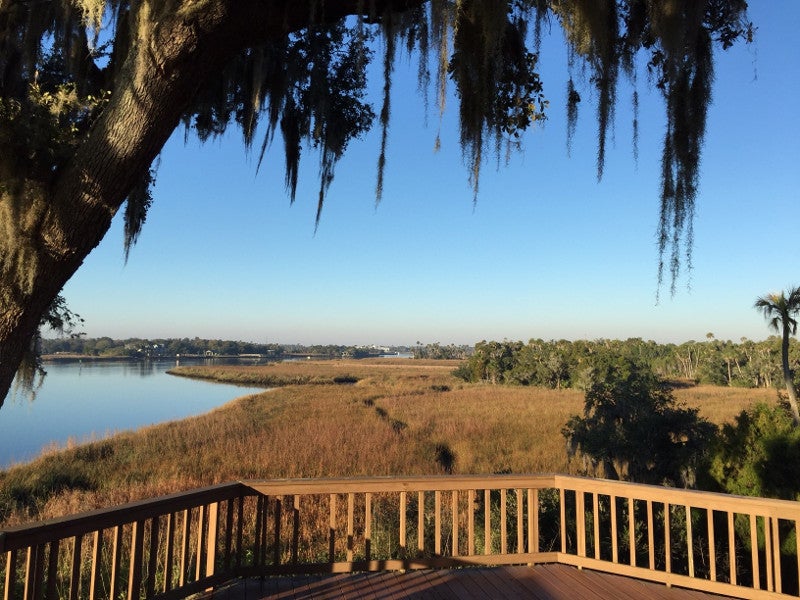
x,y
779,309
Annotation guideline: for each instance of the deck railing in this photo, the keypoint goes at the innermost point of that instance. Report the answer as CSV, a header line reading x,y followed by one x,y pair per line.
x,y
177,545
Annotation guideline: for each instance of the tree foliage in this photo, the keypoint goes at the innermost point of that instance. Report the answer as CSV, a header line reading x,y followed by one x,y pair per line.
x,y
90,90
780,309
632,428
759,455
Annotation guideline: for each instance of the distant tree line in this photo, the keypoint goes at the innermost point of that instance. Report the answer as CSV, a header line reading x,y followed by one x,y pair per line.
x,y
138,348
568,364
438,351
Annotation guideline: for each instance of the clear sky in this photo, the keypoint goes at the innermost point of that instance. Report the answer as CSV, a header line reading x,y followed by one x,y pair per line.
x,y
547,251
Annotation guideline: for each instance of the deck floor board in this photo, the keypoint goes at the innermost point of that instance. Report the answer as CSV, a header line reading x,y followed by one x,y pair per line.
x,y
541,582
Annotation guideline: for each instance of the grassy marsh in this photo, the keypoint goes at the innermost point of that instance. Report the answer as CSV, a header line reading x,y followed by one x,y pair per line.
x,y
393,417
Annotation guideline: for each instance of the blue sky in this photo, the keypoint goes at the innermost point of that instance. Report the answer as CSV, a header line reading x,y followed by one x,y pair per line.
x,y
546,252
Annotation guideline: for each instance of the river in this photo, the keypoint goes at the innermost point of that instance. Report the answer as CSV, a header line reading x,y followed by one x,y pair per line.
x,y
81,401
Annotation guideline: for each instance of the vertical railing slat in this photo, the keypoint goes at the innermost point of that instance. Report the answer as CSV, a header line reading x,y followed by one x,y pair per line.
x,y
32,572
211,539
152,558
651,542
276,552
487,521
614,531
776,554
689,540
402,524
169,552
437,522
332,530
239,531
202,518
368,525
520,522
52,571
503,522
420,523
632,530
471,523
732,550
11,574
563,518
186,533
116,552
580,522
350,525
596,523
712,551
754,563
75,568
295,551
667,540
227,544
768,553
135,571
533,520
454,523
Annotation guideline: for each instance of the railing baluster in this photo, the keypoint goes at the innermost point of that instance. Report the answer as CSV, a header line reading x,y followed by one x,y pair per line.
x,y
97,558
768,553
533,520
31,579
471,523
503,522
454,518
712,551
75,568
614,531
732,551
689,540
152,558
211,539
667,541
186,533
632,530
116,551
202,519
169,552
332,530
295,552
596,522
754,552
520,522
52,571
239,531
776,554
402,525
420,522
368,525
487,521
276,556
350,525
651,542
437,522
563,518
11,574
227,549
135,571
580,522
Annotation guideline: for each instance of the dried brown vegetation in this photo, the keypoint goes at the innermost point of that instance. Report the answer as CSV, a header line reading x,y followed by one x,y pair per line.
x,y
398,418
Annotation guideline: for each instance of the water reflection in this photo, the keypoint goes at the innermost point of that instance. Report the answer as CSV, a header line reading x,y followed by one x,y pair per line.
x,y
80,401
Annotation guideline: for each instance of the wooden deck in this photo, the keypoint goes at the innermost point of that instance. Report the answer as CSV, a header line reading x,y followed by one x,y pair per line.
x,y
542,582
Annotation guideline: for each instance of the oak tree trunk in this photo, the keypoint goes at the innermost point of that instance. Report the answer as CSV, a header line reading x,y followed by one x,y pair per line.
x,y
47,232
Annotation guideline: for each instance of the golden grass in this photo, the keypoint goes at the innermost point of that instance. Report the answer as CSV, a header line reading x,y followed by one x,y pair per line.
x,y
400,418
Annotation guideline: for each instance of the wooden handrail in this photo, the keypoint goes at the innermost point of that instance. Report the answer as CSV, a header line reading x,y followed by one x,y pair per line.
x,y
179,544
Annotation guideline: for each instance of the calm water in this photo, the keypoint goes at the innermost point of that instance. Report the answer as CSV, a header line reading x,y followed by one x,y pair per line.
x,y
81,401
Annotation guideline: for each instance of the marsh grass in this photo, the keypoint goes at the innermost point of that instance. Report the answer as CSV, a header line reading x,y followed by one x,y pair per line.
x,y
391,418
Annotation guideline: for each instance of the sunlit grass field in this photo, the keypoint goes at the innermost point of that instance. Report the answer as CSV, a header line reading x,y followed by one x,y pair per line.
x,y
327,418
